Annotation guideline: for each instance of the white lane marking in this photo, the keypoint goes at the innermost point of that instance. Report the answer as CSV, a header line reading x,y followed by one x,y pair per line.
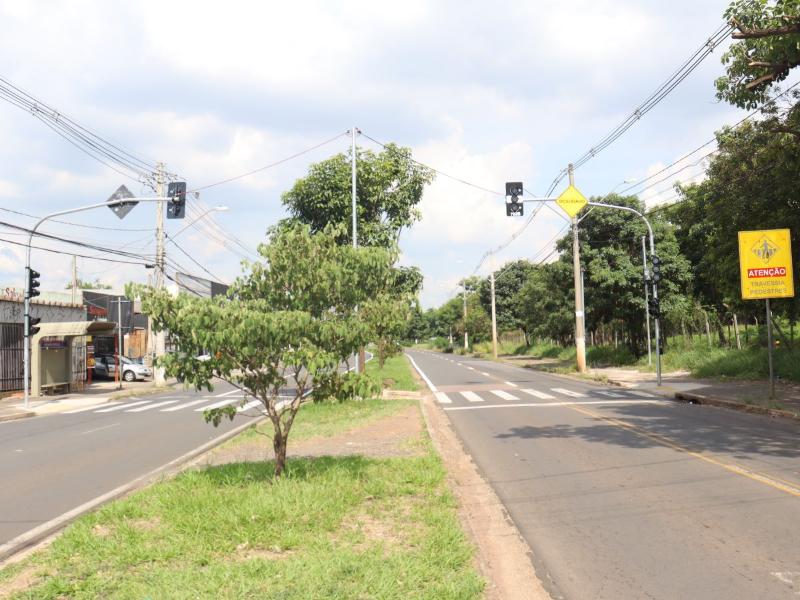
x,y
504,395
790,578
442,398
99,428
611,394
551,404
642,394
568,392
471,368
472,396
249,405
511,383
152,406
538,394
484,373
123,406
421,374
84,409
185,405
227,393
216,404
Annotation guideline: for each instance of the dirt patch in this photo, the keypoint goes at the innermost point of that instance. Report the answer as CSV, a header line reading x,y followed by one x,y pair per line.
x,y
25,579
245,552
101,531
146,524
395,436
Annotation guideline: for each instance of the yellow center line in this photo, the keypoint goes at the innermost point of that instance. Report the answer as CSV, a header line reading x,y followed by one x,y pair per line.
x,y
774,482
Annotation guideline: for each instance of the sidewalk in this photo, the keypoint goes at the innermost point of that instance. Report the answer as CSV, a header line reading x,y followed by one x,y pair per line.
x,y
100,392
750,396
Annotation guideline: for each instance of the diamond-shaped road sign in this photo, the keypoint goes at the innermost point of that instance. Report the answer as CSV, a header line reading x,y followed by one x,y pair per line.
x,y
123,208
571,201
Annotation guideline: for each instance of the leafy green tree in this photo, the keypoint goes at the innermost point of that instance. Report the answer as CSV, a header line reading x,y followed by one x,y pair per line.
x,y
89,285
389,187
548,302
291,318
508,281
768,48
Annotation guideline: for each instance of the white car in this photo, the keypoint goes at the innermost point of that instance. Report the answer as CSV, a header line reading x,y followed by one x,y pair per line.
x,y
105,366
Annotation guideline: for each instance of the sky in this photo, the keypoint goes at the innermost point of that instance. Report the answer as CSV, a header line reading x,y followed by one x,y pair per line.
x,y
485,92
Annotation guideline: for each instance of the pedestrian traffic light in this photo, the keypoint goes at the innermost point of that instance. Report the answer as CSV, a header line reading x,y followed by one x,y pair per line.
x,y
30,325
176,207
514,208
653,308
33,283
656,269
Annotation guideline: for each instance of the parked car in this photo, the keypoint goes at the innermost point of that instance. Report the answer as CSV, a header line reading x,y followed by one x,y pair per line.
x,y
106,366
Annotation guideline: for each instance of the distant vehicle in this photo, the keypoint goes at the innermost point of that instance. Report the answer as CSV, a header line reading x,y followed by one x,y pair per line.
x,y
105,366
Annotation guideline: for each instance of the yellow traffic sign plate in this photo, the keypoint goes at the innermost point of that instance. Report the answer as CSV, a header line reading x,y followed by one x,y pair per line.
x,y
571,201
765,264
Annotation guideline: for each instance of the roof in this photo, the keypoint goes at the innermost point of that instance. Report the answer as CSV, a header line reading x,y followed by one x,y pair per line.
x,y
74,328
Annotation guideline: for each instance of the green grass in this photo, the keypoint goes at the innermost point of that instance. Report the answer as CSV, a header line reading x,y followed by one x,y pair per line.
x,y
332,528
395,375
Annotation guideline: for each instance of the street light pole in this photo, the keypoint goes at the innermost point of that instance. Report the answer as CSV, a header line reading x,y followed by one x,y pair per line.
x,y
580,325
27,301
646,304
466,337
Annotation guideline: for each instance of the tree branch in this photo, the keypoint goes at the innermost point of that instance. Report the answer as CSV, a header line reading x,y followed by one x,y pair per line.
x,y
746,33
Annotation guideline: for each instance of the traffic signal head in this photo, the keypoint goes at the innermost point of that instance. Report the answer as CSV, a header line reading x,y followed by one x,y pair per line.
x,y
514,208
176,207
656,269
33,283
653,308
30,326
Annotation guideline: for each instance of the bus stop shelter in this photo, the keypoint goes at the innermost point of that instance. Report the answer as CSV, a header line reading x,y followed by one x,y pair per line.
x,y
58,354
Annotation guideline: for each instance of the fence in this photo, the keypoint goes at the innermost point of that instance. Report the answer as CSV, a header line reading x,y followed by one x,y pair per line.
x,y
11,352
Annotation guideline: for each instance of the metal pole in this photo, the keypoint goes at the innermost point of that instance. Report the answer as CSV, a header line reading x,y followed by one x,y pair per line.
x,y
159,377
74,278
769,353
119,341
353,191
646,304
580,328
466,338
494,317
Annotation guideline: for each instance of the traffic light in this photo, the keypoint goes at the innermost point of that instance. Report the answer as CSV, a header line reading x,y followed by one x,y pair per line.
x,y
653,308
30,325
656,269
514,208
176,207
33,283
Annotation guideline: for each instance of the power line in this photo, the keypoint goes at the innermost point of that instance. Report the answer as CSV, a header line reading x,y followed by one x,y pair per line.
x,y
24,214
190,257
124,262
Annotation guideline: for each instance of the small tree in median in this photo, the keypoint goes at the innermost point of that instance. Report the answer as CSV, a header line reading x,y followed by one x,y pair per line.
x,y
288,324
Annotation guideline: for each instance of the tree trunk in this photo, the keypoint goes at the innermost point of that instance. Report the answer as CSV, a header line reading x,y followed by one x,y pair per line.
x,y
381,353
708,329
279,446
736,331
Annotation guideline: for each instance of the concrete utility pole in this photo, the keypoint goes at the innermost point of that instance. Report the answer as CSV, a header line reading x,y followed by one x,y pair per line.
x,y
494,314
646,304
160,337
360,356
580,328
466,337
119,341
74,279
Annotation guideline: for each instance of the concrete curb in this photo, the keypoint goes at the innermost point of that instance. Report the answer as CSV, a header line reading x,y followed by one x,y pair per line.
x,y
30,540
15,416
733,405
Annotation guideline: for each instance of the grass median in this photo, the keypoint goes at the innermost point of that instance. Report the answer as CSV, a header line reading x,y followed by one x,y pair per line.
x,y
333,527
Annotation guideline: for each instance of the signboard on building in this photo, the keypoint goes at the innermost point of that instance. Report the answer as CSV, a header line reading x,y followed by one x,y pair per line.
x,y
765,264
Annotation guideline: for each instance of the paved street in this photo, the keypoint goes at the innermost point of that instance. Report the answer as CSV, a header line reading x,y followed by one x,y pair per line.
x,y
54,463
623,494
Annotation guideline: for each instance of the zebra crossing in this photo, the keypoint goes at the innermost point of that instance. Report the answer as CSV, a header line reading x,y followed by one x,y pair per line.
x,y
170,405
557,396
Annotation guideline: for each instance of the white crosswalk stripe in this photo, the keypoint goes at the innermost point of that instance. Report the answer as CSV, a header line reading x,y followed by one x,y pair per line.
x,y
151,406
511,384
85,408
568,392
185,405
472,396
442,398
249,405
643,394
504,395
538,394
216,404
611,394
123,406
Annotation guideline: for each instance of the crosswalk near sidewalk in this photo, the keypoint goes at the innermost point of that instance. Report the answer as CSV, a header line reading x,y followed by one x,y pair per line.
x,y
552,397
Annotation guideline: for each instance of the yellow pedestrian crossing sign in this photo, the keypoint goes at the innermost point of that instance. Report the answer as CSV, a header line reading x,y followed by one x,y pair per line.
x,y
571,201
765,264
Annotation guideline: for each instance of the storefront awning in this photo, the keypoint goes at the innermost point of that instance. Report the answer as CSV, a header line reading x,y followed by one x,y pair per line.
x,y
72,328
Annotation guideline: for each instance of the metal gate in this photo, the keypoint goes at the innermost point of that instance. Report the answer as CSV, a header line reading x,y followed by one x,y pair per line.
x,y
11,352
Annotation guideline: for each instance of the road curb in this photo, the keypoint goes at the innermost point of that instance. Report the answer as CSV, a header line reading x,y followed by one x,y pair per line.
x,y
32,539
732,405
15,416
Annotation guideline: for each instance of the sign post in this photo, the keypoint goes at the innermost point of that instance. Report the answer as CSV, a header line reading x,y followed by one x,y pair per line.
x,y
765,269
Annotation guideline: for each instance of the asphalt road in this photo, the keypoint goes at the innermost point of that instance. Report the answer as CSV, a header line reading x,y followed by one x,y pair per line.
x,y
54,463
621,494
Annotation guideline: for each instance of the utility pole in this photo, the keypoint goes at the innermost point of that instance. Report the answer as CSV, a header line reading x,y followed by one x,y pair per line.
x,y
119,341
494,313
361,355
74,279
580,330
466,337
646,303
160,337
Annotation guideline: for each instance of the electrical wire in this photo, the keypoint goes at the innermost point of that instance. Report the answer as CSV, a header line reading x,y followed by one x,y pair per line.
x,y
190,257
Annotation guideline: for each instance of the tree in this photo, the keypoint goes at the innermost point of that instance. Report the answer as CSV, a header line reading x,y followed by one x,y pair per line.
x,y
768,48
547,301
89,285
389,187
508,281
290,319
